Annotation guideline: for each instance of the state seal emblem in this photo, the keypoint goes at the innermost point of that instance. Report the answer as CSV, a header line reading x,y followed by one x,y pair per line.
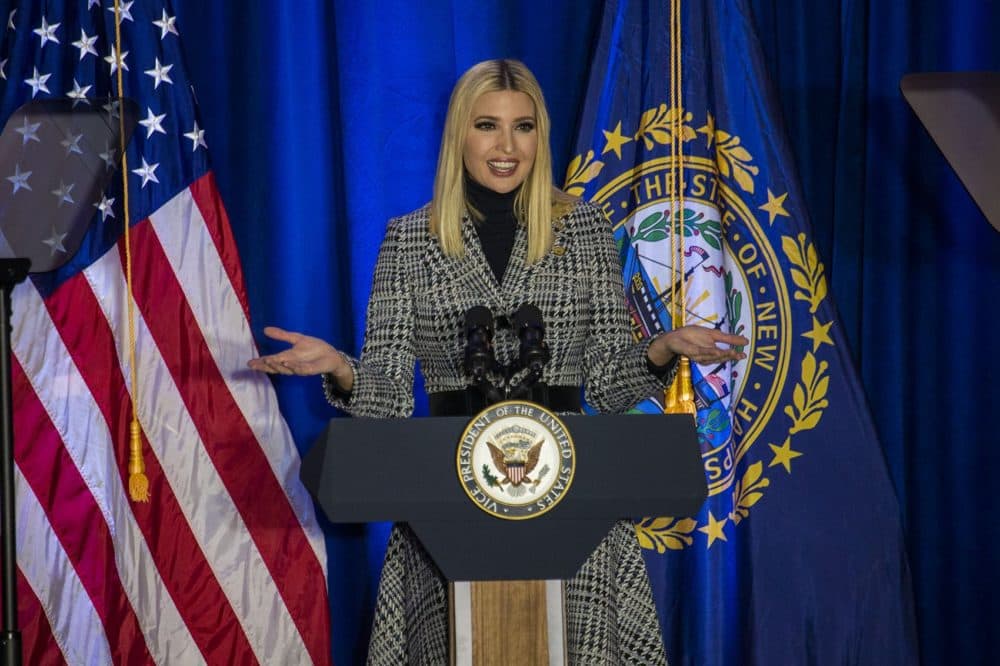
x,y
699,244
516,460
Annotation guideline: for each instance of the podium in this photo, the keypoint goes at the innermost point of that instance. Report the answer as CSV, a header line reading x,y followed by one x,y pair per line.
x,y
404,470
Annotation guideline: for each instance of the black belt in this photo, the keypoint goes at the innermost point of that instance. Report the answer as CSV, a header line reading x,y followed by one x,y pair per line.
x,y
471,401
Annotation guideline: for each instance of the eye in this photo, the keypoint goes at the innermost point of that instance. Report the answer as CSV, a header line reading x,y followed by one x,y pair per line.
x,y
526,126
485,125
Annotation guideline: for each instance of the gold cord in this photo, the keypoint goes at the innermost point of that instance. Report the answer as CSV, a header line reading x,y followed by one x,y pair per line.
x,y
138,483
679,396
674,241
678,137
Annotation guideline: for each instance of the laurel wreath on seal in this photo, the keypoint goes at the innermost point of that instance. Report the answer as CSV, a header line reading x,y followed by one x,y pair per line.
x,y
734,160
654,227
807,273
734,304
581,170
809,396
660,534
747,491
655,126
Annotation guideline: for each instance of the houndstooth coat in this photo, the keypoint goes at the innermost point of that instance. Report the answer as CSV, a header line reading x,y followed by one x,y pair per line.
x,y
416,312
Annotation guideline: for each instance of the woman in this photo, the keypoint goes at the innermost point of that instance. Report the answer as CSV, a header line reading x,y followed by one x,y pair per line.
x,y
497,233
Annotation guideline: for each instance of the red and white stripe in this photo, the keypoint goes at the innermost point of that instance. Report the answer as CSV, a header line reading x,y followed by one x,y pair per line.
x,y
225,564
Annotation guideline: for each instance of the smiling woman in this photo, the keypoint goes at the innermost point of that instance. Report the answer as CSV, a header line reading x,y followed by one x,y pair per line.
x,y
498,235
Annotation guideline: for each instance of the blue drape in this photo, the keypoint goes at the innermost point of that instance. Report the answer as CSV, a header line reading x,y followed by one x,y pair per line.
x,y
323,120
915,267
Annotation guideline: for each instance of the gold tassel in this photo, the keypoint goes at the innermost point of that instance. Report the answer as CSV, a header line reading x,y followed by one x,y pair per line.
x,y
138,484
680,394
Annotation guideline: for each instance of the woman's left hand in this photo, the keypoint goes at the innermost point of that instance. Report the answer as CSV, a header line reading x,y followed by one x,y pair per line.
x,y
698,343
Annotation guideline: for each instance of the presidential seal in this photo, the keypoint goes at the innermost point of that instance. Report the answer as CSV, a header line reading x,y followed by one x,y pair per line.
x,y
516,460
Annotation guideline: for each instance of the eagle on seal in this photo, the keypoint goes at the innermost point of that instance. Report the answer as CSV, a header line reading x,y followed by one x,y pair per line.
x,y
515,462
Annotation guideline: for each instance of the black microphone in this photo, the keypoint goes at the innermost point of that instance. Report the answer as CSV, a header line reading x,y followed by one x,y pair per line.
x,y
479,357
530,330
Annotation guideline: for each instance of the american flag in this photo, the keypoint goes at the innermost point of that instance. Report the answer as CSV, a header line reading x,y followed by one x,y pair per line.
x,y
225,564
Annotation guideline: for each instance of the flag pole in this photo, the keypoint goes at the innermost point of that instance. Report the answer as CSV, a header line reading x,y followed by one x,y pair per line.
x,y
12,272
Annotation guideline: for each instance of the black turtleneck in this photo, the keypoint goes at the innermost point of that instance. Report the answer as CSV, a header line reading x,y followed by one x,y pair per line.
x,y
499,224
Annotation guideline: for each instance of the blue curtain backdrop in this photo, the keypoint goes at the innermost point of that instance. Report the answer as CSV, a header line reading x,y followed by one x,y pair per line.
x,y
323,120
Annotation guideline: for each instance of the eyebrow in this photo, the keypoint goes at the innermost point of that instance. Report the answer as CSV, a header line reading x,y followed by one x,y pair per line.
x,y
516,120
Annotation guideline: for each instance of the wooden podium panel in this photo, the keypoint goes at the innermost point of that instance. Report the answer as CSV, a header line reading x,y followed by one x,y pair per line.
x,y
507,623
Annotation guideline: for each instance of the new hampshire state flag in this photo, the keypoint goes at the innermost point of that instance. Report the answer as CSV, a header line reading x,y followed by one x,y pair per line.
x,y
797,556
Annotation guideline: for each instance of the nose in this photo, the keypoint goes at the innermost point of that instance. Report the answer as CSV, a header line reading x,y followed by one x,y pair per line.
x,y
507,140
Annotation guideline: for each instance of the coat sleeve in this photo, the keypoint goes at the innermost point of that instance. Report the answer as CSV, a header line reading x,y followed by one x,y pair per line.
x,y
616,371
383,375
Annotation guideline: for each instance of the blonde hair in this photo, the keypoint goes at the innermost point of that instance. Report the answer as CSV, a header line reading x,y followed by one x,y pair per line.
x,y
537,203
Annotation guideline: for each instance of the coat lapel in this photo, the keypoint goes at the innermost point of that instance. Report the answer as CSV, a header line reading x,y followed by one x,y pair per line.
x,y
475,271
513,278
478,269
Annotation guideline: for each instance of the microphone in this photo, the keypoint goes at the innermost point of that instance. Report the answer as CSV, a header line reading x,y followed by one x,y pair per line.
x,y
533,352
479,357
530,329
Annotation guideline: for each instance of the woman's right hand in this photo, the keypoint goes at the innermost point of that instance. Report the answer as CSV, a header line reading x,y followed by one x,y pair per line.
x,y
306,356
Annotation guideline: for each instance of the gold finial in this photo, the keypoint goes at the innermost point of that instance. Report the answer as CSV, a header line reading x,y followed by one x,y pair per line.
x,y
680,394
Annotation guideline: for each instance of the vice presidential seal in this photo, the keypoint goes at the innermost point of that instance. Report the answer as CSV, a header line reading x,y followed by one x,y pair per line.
x,y
516,460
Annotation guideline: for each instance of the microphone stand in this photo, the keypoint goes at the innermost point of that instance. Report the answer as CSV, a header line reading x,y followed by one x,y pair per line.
x,y
12,272
490,392
523,388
